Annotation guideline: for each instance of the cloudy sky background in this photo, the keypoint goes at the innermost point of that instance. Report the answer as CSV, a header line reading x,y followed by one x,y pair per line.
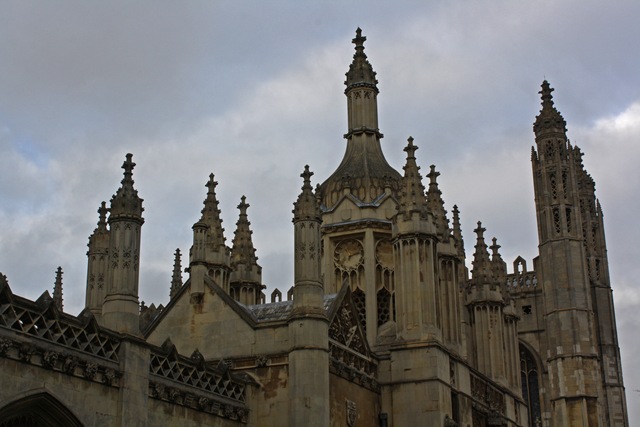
x,y
254,91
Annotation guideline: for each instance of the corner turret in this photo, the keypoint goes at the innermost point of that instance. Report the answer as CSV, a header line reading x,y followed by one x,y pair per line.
x,y
120,310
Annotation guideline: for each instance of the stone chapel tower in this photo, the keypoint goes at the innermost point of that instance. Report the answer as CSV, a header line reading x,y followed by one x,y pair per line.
x,y
578,307
358,201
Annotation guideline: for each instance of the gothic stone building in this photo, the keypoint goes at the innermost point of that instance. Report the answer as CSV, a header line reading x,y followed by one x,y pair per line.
x,y
384,325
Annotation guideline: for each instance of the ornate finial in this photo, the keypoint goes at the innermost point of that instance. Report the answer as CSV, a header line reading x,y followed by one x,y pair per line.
x,y
494,247
176,279
306,207
549,118
359,39
410,149
433,175
57,289
211,184
545,92
360,71
126,201
306,176
243,205
102,216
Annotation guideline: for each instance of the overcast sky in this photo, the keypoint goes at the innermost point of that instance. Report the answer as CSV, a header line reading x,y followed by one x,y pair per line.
x,y
253,91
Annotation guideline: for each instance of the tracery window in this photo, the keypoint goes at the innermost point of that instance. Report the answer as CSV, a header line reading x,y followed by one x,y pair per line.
x,y
530,385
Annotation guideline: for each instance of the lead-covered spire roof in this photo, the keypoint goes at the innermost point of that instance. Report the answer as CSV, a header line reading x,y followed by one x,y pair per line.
x,y
549,119
360,71
242,251
126,203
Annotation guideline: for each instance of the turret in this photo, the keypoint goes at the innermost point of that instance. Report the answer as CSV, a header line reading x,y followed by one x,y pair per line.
x,y
98,260
246,276
308,325
121,308
414,249
485,302
563,273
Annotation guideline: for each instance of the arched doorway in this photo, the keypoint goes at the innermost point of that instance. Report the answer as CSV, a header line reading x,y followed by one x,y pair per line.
x,y
37,410
530,376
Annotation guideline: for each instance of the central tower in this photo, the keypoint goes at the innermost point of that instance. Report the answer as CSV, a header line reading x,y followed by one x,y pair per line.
x,y
358,201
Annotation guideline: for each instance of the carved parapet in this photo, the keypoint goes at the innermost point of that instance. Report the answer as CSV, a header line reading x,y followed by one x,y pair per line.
x,y
522,282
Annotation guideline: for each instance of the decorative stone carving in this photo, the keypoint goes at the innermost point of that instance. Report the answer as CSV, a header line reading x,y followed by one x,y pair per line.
x,y
352,413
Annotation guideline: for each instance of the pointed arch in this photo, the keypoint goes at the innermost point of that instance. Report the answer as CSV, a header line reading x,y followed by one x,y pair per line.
x,y
530,374
37,410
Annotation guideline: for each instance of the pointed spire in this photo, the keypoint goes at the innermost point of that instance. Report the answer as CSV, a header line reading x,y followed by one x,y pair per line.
x,y
243,251
126,201
101,229
499,266
549,119
360,71
211,215
57,289
412,193
457,231
435,203
482,268
176,279
306,207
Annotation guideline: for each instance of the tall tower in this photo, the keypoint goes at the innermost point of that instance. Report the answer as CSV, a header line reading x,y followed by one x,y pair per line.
x,y
598,268
572,349
121,310
309,404
358,201
98,260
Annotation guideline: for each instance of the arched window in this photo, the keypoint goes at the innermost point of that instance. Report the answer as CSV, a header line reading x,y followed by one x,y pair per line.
x,y
38,410
530,385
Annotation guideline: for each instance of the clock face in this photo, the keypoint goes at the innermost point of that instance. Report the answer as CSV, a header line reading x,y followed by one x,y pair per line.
x,y
384,254
348,254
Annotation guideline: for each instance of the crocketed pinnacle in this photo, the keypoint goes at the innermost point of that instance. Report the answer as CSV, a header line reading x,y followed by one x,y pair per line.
x,y
499,266
549,119
306,207
435,204
176,279
360,71
457,232
412,196
126,203
211,215
482,272
57,289
101,229
242,251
